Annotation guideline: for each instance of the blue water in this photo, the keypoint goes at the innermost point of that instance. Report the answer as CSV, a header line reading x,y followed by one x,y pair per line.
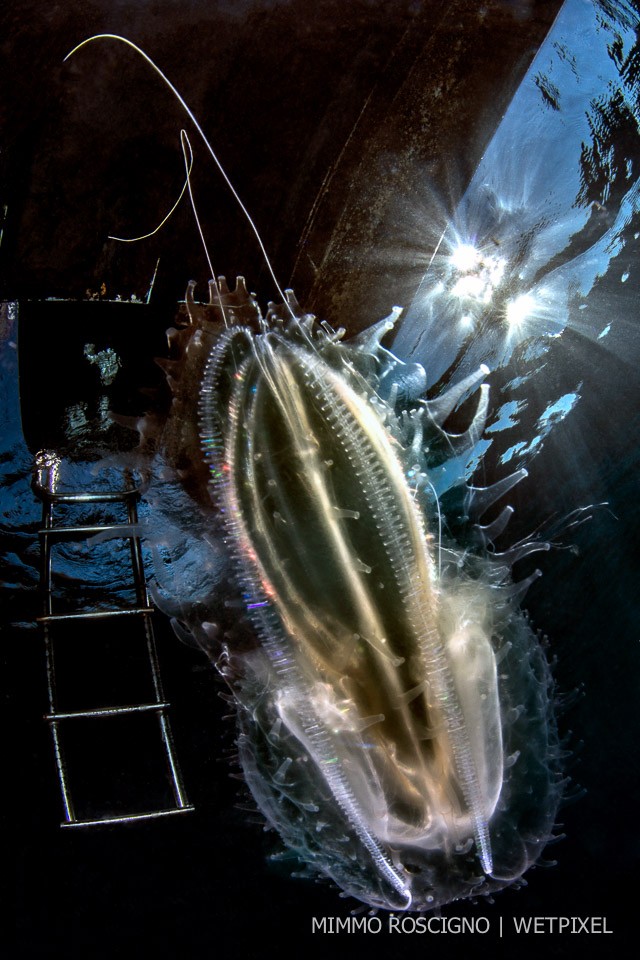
x,y
567,391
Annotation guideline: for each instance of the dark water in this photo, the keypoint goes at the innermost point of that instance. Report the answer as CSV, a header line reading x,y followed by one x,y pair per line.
x,y
549,185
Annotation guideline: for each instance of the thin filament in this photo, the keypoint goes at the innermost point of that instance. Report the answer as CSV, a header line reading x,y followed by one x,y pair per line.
x,y
187,153
145,236
191,115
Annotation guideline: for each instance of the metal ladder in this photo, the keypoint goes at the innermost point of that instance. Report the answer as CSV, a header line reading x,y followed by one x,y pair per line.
x,y
52,627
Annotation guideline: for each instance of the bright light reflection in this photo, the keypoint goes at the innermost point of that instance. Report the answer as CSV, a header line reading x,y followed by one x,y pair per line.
x,y
465,258
479,273
471,287
518,310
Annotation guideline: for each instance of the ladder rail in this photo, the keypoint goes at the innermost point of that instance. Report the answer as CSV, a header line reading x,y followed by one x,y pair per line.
x,y
152,650
44,487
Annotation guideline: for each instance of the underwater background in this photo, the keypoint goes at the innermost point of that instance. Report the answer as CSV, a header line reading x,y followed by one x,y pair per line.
x,y
368,140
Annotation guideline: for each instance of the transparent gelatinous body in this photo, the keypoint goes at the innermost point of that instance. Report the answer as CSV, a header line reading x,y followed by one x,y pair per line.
x,y
394,706
393,703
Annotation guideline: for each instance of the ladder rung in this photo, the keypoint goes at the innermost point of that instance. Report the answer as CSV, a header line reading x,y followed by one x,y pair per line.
x,y
62,533
108,712
52,532
96,615
112,496
155,815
